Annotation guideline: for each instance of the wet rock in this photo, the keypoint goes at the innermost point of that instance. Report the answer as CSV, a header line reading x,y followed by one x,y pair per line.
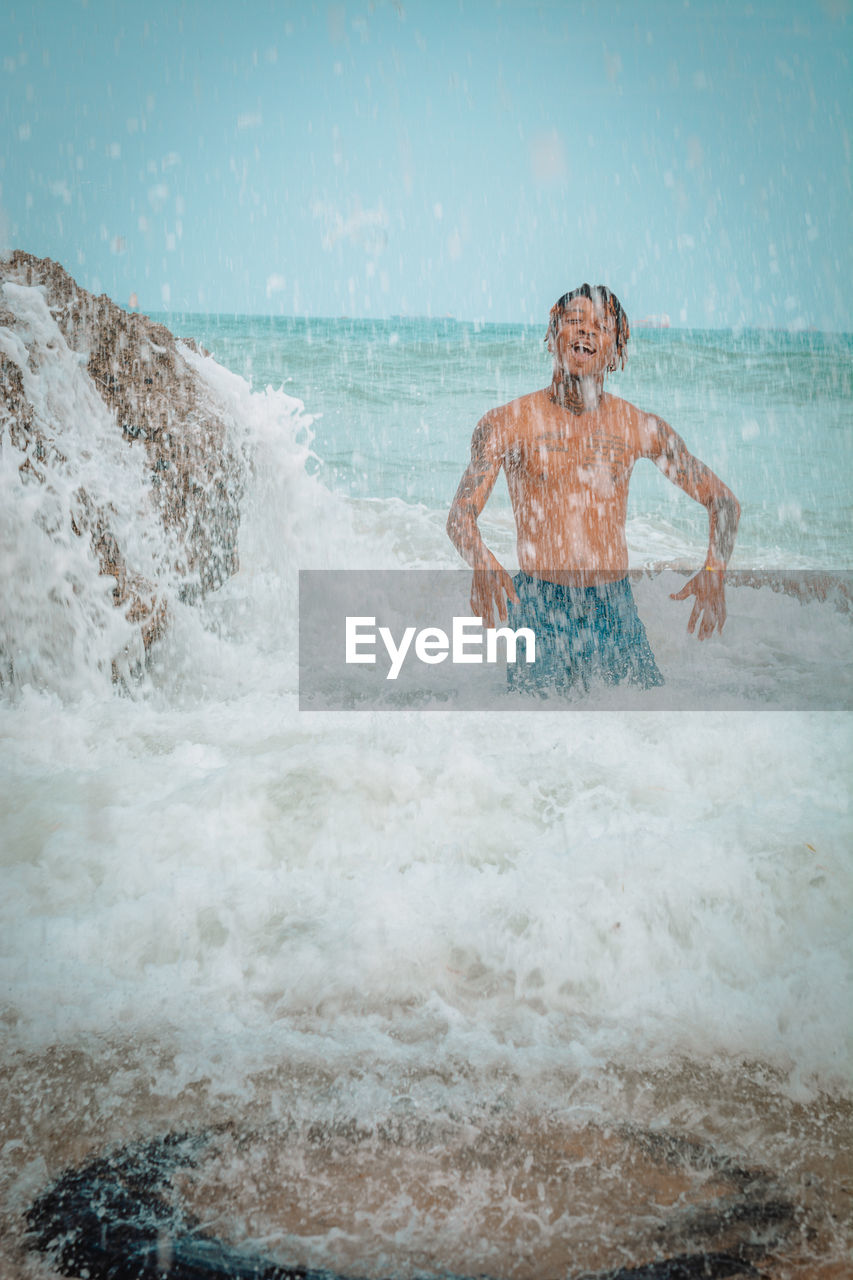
x,y
159,404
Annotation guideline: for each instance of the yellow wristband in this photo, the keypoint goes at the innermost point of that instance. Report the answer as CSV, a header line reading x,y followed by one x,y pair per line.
x,y
709,568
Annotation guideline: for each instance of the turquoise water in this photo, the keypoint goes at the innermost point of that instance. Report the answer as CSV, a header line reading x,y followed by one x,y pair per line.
x,y
395,403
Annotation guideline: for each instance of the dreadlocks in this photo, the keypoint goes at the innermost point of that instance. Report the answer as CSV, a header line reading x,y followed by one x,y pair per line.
x,y
597,293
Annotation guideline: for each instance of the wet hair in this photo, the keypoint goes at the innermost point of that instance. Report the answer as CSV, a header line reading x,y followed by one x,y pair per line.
x,y
596,293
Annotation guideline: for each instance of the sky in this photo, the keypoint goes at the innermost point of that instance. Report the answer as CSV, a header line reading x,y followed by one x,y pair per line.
x,y
472,158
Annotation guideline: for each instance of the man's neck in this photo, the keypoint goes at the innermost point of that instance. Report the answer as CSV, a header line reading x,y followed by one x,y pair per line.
x,y
578,395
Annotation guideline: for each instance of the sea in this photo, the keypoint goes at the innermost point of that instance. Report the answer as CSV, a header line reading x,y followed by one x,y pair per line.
x,y
436,991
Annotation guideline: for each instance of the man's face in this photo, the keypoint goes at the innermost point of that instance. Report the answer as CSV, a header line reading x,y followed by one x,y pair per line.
x,y
586,338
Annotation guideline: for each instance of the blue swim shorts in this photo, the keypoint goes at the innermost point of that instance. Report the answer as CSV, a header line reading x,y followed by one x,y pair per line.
x,y
583,634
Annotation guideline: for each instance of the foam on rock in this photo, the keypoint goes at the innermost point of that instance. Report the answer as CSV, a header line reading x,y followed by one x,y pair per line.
x,y
158,404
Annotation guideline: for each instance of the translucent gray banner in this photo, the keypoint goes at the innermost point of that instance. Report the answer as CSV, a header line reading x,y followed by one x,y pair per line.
x,y
396,640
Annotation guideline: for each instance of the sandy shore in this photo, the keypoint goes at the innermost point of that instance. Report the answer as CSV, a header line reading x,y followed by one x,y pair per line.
x,y
504,1191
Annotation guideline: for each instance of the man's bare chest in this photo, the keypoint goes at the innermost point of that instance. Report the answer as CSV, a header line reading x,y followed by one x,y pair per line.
x,y
579,453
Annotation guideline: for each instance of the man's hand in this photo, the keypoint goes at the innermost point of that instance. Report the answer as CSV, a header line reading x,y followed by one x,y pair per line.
x,y
489,591
710,603
669,452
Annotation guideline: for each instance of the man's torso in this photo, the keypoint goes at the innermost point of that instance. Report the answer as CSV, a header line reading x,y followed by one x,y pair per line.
x,y
568,477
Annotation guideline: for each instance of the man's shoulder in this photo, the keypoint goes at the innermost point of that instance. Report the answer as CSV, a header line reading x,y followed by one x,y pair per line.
x,y
632,418
516,412
623,408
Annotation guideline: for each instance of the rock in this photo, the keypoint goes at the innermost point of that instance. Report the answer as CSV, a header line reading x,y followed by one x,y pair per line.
x,y
159,403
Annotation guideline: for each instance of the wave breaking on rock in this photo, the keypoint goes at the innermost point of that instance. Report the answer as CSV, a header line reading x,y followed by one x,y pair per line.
x,y
117,441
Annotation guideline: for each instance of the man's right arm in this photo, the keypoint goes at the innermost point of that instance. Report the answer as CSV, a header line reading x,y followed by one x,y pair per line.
x,y
492,584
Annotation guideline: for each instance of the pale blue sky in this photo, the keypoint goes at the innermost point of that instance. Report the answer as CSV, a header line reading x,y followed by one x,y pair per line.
x,y
472,158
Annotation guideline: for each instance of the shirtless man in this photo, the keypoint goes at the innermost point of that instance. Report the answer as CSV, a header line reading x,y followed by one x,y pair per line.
x,y
568,453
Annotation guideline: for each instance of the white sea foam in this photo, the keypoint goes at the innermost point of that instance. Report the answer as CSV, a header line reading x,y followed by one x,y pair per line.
x,y
519,893
58,627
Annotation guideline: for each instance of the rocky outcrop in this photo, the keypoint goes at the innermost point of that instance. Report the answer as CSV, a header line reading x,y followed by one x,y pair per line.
x,y
160,404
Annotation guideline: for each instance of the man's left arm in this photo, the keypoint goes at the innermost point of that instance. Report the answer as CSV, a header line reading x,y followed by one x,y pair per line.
x,y
669,452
